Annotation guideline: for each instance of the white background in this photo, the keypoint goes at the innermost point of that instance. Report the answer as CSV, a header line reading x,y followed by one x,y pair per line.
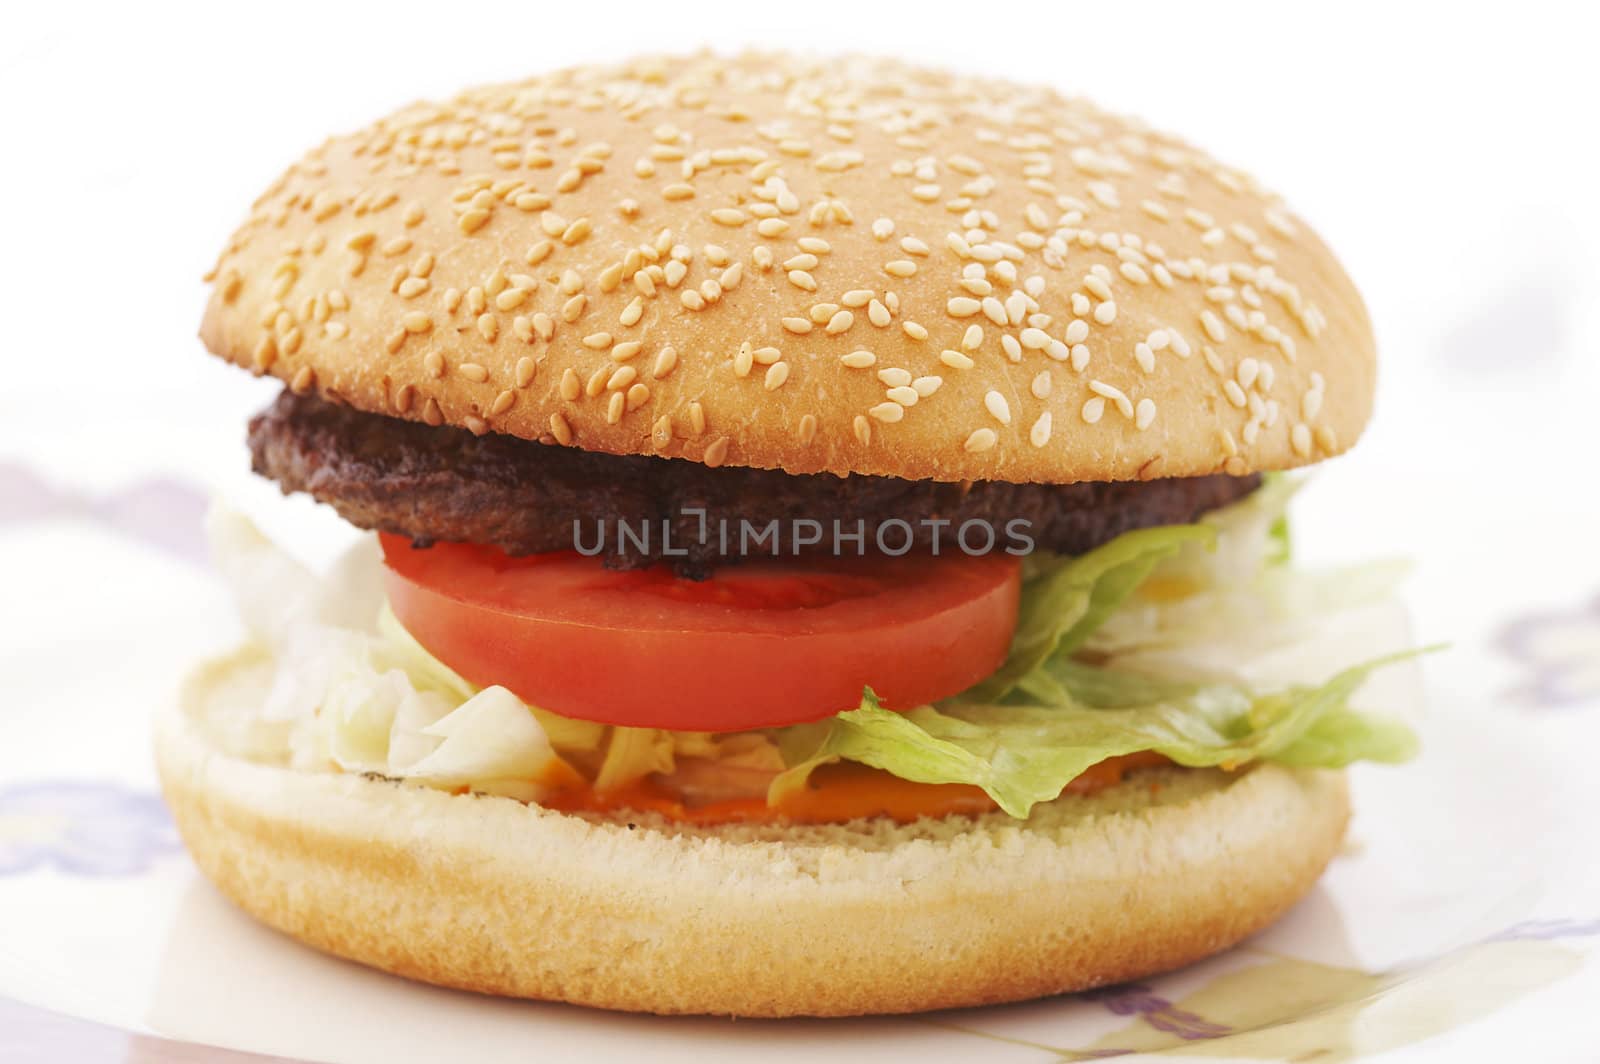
x,y
1446,152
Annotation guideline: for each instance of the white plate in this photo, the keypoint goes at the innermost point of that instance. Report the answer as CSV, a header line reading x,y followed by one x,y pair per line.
x,y
1463,913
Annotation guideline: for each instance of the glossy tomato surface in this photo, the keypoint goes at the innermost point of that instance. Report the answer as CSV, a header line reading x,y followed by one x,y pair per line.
x,y
760,644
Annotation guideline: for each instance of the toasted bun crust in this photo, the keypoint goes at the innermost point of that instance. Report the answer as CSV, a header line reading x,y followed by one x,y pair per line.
x,y
816,265
491,895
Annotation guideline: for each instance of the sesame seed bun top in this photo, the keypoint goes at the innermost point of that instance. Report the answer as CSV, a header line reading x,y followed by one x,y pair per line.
x,y
843,265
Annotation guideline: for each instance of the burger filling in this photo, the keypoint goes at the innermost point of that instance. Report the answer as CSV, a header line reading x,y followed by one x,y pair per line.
x,y
850,665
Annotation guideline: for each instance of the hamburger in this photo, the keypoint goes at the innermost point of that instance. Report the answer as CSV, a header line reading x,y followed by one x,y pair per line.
x,y
830,552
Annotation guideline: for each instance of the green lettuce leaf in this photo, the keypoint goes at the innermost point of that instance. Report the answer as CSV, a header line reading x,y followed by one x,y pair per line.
x,y
1023,754
1066,599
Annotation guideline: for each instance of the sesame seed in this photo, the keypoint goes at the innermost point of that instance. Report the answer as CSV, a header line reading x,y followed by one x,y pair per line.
x,y
743,360
803,280
859,359
620,378
900,267
777,373
1039,435
1106,312
997,406
661,432
526,370
1041,385
571,386
963,307
1144,413
1235,394
981,440
1094,409
807,429
888,412
863,430
840,322
1213,326
1300,439
1247,372
1113,393
878,314
955,359
895,377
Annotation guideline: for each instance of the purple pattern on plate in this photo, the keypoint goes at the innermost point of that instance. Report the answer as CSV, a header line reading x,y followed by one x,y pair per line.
x,y
163,513
1135,999
1559,650
82,828
1546,930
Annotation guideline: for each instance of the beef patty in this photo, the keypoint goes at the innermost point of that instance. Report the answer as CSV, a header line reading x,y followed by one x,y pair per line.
x,y
524,497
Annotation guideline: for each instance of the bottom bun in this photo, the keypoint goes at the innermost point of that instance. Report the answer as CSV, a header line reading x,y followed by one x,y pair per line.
x,y
489,894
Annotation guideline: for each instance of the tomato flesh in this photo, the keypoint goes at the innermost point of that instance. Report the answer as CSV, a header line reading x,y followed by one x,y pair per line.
x,y
761,644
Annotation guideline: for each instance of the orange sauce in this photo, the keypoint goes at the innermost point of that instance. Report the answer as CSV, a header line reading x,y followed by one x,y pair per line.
x,y
835,793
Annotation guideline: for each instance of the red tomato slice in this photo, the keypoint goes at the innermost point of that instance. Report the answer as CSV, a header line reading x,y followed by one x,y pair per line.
x,y
760,644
